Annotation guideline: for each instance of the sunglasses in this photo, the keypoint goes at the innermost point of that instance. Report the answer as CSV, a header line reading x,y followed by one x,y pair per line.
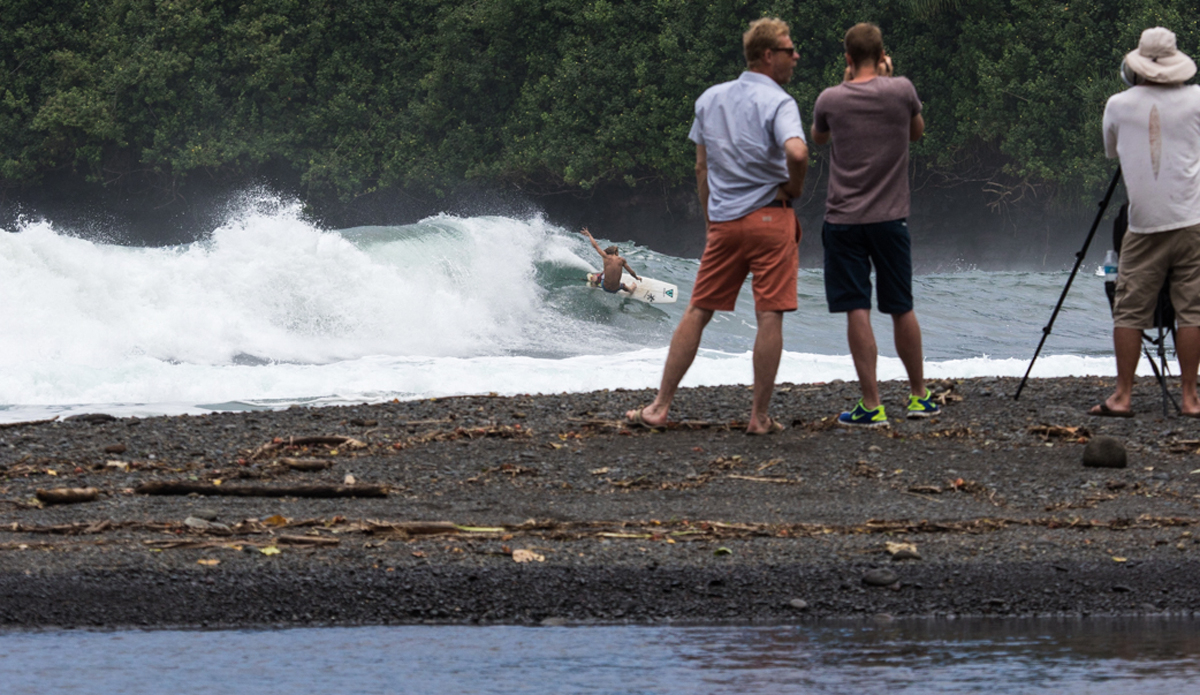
x,y
791,50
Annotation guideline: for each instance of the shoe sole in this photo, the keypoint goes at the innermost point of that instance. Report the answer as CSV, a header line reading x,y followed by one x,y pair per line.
x,y
862,425
921,414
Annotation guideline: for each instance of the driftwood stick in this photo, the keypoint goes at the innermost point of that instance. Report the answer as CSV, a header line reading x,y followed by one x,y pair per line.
x,y
759,479
672,425
332,441
306,540
323,491
306,464
27,423
412,528
68,495
281,442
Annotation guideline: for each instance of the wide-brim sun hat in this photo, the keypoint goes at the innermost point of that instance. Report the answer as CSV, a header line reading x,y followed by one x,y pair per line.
x,y
1158,60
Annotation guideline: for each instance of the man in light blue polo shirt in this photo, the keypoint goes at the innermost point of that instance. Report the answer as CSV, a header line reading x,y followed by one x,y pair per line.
x,y
751,159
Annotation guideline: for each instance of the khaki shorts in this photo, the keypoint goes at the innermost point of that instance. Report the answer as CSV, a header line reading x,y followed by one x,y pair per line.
x,y
1145,261
765,243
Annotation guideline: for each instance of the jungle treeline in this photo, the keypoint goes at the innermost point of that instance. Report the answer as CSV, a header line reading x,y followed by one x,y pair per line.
x,y
342,98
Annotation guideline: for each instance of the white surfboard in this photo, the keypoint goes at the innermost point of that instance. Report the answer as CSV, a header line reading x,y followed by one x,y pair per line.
x,y
648,290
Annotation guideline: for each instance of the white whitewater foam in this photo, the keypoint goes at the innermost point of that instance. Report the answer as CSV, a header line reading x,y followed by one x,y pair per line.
x,y
272,286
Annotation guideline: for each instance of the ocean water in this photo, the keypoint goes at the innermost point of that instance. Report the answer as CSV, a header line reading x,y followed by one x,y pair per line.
x,y
269,310
1117,656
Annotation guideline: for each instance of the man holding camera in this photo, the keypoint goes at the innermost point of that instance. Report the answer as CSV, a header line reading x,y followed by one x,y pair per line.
x,y
871,118
1154,128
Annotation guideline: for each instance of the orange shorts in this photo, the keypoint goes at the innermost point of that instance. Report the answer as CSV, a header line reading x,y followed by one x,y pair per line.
x,y
765,243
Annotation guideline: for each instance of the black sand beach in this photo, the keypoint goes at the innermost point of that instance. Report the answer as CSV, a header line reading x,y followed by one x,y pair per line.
x,y
544,509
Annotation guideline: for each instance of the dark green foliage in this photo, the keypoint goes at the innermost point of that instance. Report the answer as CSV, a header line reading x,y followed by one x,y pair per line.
x,y
351,96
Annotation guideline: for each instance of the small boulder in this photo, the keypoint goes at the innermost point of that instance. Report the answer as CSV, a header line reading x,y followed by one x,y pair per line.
x,y
880,577
799,604
1104,452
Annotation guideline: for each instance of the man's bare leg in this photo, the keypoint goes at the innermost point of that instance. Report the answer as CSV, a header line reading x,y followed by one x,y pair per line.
x,y
1187,348
768,347
684,344
865,354
1127,343
907,333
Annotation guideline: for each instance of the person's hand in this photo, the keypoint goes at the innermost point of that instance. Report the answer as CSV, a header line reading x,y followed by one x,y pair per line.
x,y
885,67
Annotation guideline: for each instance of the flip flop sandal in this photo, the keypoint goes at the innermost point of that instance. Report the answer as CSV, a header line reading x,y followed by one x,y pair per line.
x,y
1103,410
637,420
774,427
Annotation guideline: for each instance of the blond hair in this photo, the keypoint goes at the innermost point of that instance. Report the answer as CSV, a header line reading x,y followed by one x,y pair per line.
x,y
762,36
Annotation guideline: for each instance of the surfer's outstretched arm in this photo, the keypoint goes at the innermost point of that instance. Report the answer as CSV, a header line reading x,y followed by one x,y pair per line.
x,y
626,264
596,246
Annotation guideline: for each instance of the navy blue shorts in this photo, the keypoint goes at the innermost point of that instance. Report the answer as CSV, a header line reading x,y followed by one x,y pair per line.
x,y
851,250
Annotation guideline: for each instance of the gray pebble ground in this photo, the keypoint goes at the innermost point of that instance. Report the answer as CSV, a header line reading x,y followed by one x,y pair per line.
x,y
989,501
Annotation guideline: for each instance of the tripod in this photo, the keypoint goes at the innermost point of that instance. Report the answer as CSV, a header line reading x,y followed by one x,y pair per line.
x,y
1078,261
1164,313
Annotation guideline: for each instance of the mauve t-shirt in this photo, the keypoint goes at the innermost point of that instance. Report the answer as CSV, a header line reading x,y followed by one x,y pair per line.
x,y
868,173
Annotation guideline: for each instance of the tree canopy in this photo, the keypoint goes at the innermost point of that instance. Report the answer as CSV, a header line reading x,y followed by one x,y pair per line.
x,y
349,97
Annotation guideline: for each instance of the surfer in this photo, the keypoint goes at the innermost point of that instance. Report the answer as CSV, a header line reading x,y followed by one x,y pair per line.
x,y
610,280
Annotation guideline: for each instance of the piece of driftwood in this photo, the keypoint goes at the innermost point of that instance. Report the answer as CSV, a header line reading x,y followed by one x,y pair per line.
x,y
25,545
68,495
27,423
306,540
411,528
86,527
759,479
349,442
672,425
306,464
281,442
323,491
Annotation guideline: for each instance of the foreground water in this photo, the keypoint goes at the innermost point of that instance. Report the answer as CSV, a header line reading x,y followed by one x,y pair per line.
x,y
1062,656
269,310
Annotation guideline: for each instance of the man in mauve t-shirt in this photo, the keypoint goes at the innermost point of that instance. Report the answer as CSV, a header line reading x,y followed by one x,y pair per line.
x,y
870,118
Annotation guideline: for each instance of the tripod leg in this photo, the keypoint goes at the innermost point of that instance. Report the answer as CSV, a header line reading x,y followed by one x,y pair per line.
x,y
1162,360
1112,186
1160,372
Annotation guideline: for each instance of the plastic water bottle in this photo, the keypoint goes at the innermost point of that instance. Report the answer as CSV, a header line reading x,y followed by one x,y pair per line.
x,y
1110,266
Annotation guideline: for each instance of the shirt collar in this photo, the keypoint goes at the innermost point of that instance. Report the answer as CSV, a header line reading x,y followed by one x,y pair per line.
x,y
751,76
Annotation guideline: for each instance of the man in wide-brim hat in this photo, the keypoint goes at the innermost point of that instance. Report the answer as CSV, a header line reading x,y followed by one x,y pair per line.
x,y
1154,127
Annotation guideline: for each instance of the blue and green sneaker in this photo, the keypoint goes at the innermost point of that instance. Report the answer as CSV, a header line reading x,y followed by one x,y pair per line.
x,y
922,407
861,417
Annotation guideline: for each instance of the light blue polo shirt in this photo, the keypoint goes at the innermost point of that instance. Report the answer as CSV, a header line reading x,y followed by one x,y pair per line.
x,y
743,125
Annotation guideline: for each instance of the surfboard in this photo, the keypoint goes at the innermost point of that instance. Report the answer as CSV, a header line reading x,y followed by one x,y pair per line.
x,y
648,290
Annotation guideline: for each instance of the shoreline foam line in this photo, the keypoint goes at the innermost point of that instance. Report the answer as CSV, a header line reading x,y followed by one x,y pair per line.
x,y
174,389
